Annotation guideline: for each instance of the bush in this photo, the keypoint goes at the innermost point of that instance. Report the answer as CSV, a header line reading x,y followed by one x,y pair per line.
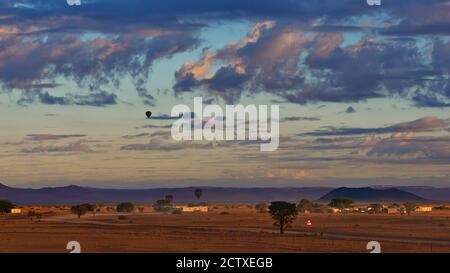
x,y
224,213
177,211
341,203
6,206
262,207
125,207
79,210
163,205
122,217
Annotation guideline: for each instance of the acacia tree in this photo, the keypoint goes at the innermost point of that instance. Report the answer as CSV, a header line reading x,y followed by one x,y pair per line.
x,y
79,210
6,206
125,207
410,207
262,207
89,207
305,205
169,198
377,208
283,213
31,214
341,203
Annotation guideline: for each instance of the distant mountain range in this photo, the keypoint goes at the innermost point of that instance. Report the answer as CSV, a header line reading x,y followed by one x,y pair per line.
x,y
77,194
373,195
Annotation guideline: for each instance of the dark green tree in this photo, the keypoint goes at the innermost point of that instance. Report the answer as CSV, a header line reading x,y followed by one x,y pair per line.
x,y
6,206
305,205
79,210
283,213
169,198
31,214
341,203
163,205
125,207
262,207
410,207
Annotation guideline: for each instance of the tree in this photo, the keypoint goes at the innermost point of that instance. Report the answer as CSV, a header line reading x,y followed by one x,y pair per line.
x,y
410,207
31,214
163,205
79,210
283,213
125,207
6,206
341,203
89,207
320,208
305,206
169,198
377,208
262,207
198,193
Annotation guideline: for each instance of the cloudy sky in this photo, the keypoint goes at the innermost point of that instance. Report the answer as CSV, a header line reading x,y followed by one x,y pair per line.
x,y
364,91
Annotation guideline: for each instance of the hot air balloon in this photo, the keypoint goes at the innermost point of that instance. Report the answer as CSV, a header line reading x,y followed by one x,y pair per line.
x,y
148,114
198,193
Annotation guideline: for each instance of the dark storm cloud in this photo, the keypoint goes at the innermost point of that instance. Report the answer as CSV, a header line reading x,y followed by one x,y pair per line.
x,y
425,124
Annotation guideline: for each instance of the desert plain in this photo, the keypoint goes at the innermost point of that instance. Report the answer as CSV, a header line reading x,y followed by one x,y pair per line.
x,y
225,228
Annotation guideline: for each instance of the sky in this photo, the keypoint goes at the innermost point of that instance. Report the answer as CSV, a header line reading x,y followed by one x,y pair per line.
x,y
363,91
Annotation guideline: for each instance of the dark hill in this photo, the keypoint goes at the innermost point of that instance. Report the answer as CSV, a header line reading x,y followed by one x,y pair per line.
x,y
370,195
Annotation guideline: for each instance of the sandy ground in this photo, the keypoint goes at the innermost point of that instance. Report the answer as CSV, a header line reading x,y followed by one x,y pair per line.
x,y
242,230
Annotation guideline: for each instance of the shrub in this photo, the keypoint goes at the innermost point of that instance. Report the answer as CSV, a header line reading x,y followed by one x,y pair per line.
x,y
6,206
79,210
262,207
163,205
177,211
125,207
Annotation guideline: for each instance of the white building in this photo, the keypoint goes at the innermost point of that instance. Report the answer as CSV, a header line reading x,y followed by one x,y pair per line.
x,y
393,210
424,209
193,209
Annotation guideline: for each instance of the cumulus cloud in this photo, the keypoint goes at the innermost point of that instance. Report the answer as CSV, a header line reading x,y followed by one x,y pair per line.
x,y
297,50
28,61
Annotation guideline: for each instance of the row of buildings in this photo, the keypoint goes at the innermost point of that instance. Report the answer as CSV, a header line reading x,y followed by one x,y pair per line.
x,y
382,209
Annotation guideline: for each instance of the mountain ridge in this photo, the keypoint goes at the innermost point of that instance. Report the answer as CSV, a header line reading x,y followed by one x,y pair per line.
x,y
73,194
369,194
